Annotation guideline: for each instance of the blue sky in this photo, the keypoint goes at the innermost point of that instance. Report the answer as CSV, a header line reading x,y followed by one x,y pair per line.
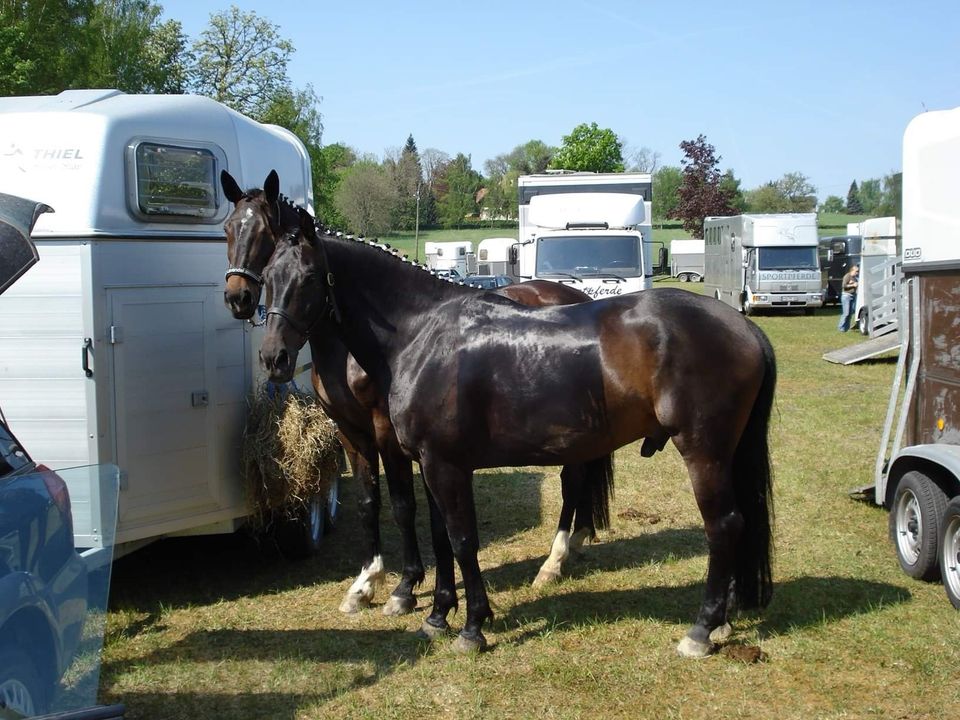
x,y
825,89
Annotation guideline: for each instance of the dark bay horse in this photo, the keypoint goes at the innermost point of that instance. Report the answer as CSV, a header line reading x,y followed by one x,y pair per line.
x,y
474,380
347,394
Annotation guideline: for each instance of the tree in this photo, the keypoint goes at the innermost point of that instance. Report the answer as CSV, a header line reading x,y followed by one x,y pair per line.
x,y
833,204
457,192
792,193
891,202
590,148
643,160
853,200
331,164
666,184
408,176
367,198
241,60
701,193
730,185
532,157
870,196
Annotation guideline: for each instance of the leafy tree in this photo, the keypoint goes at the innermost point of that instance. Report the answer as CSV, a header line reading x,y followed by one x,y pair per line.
x,y
241,60
853,200
891,202
457,192
532,157
766,199
367,198
591,148
666,185
792,193
701,193
870,196
132,51
330,165
833,204
730,185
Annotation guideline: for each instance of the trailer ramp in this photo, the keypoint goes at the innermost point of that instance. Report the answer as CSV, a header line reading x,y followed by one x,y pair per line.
x,y
865,350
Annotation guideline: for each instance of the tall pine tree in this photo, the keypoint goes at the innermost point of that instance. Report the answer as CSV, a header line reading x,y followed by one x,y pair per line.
x,y
854,206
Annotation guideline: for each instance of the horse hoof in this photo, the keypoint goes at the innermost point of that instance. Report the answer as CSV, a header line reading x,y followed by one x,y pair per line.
x,y
469,645
399,606
690,648
546,577
722,633
432,632
354,603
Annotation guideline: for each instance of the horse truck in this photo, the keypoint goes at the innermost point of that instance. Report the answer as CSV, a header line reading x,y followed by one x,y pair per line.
x,y
917,472
588,230
763,261
117,349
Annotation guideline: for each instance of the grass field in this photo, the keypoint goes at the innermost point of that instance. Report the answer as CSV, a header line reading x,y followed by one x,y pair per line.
x,y
220,627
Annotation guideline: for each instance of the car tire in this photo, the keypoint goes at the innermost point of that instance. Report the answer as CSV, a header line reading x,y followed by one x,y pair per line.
x,y
950,551
915,516
21,688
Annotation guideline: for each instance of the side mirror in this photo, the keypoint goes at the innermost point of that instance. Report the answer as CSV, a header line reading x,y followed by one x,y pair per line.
x,y
513,254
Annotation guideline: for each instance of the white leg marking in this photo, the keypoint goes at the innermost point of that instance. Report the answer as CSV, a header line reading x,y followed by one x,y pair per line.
x,y
551,569
364,587
578,539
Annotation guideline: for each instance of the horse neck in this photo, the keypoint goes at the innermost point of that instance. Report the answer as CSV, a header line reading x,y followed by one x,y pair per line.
x,y
382,300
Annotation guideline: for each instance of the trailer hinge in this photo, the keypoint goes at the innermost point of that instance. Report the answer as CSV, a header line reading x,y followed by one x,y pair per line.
x,y
116,334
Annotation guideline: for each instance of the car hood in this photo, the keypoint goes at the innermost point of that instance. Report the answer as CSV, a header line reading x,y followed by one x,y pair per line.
x,y
17,251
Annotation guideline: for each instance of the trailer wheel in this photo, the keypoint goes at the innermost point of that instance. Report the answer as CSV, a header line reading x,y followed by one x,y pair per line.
x,y
694,277
863,321
683,277
21,688
950,551
915,518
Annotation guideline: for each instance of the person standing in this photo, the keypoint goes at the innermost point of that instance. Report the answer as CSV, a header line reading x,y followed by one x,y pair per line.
x,y
848,297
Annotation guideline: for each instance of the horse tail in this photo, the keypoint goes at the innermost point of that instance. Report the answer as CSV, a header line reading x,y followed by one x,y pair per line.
x,y
753,486
599,479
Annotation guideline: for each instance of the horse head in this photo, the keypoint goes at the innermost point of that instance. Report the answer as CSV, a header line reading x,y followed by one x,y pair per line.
x,y
299,297
257,222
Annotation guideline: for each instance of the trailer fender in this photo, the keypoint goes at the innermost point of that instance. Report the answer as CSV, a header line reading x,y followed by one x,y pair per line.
x,y
939,462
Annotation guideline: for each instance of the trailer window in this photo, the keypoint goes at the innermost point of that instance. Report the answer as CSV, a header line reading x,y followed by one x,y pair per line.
x,y
175,182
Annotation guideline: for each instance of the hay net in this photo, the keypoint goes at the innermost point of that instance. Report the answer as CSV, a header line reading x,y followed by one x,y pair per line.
x,y
290,451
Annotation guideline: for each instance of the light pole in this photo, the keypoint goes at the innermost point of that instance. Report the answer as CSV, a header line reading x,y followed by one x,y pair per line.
x,y
416,229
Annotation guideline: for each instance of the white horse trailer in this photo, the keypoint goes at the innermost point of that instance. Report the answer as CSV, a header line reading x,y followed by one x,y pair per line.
x,y
117,348
917,473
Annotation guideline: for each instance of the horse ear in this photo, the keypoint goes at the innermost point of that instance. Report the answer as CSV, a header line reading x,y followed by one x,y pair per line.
x,y
307,226
271,187
231,190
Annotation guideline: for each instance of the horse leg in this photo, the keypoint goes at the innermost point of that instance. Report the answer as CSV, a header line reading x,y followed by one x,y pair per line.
x,y
452,488
445,585
723,523
372,575
399,471
571,490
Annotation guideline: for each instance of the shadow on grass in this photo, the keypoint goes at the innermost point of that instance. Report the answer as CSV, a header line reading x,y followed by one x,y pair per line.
x,y
178,572
384,650
610,555
797,604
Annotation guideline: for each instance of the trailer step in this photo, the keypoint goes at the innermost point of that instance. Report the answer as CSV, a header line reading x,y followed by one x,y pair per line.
x,y
865,350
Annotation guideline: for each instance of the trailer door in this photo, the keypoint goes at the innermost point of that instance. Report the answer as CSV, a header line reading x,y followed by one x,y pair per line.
x,y
164,360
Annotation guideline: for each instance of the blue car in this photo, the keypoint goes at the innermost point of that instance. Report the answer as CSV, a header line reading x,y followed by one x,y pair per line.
x,y
43,581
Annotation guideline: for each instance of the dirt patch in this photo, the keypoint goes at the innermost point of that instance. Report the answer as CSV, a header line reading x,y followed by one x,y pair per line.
x,y
744,653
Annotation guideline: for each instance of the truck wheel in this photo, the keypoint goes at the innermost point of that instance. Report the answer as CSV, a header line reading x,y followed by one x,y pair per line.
x,y
863,322
21,689
915,517
950,551
683,277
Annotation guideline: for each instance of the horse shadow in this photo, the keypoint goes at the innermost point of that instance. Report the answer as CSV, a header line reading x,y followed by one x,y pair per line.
x,y
608,555
373,653
797,603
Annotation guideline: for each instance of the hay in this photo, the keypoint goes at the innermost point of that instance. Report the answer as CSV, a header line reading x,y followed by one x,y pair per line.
x,y
290,452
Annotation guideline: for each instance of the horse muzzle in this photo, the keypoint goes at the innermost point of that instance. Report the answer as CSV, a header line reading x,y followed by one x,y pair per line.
x,y
241,297
278,360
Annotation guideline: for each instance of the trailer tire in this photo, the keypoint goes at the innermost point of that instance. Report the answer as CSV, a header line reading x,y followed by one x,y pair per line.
x,y
950,551
21,688
915,519
863,321
683,277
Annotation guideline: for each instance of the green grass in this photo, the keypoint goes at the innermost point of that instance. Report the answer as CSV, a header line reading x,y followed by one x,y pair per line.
x,y
221,627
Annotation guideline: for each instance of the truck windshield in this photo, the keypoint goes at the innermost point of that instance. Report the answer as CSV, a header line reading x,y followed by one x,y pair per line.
x,y
787,258
589,255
